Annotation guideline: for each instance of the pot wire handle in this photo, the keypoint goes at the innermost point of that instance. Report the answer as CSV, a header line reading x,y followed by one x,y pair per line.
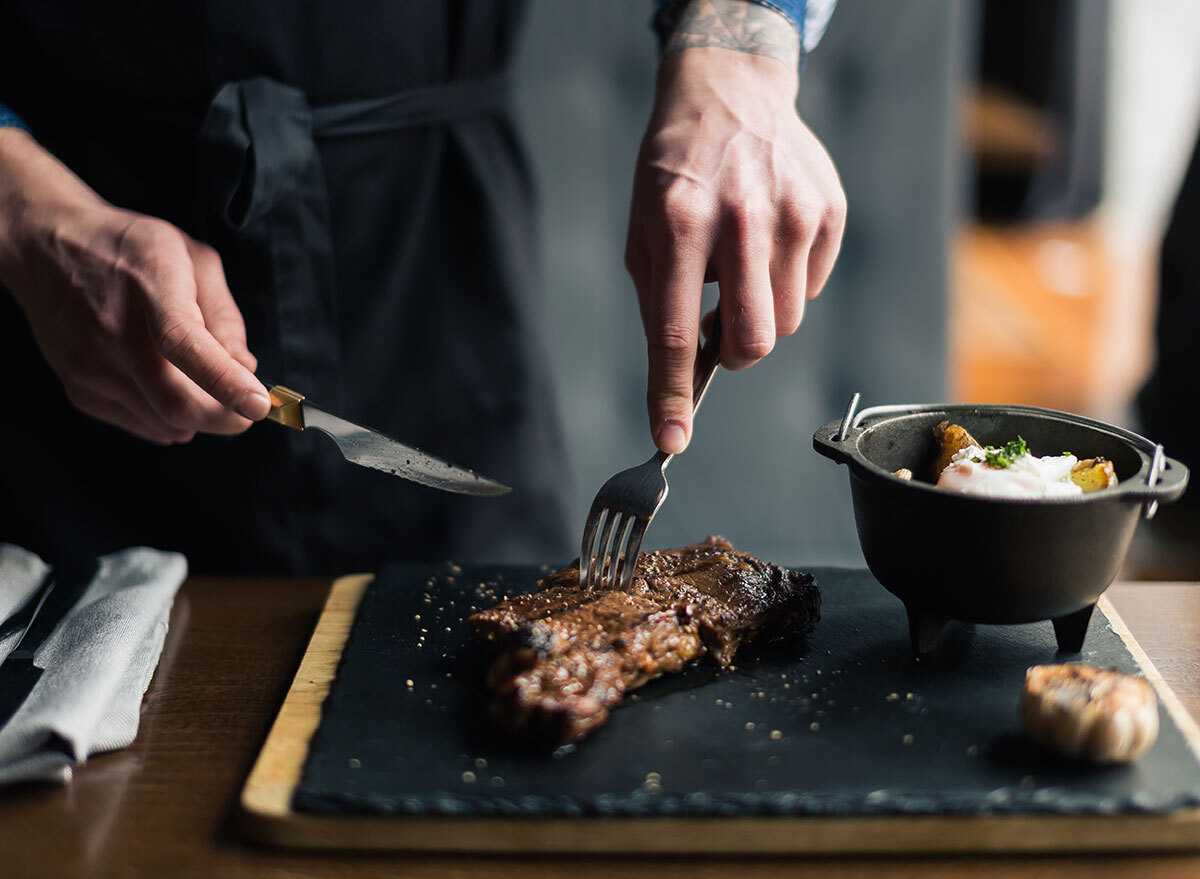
x,y
844,430
1156,469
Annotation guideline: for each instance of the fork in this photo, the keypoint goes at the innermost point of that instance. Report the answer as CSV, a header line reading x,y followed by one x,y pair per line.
x,y
627,502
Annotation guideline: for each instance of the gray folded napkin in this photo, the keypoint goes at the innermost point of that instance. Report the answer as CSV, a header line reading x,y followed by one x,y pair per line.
x,y
98,663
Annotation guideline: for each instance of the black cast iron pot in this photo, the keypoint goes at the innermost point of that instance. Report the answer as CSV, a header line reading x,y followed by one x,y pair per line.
x,y
950,556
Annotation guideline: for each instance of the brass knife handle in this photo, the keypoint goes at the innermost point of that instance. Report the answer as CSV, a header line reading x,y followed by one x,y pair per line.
x,y
285,407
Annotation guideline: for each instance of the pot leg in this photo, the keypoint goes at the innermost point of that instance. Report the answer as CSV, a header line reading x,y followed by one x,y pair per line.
x,y
923,630
1071,629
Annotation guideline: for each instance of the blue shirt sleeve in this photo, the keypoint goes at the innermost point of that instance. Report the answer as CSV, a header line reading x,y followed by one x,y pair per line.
x,y
809,17
9,119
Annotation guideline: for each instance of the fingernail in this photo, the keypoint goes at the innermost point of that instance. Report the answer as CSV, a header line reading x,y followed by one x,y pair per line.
x,y
672,439
254,406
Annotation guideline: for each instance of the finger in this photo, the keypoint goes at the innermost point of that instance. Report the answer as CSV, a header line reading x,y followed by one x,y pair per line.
x,y
826,245
245,358
177,331
179,401
747,307
120,415
221,315
116,398
637,264
673,317
789,281
173,398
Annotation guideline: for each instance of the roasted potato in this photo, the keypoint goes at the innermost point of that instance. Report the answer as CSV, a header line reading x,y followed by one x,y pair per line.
x,y
1093,474
951,440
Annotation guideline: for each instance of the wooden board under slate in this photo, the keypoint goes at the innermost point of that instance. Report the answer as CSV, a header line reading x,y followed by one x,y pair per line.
x,y
840,741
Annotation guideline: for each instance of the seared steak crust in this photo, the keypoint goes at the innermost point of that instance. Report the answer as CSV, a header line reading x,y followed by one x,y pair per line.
x,y
565,655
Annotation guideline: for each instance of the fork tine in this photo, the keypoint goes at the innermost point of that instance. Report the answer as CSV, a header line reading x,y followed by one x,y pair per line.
x,y
618,566
587,555
619,536
604,559
632,548
595,549
619,578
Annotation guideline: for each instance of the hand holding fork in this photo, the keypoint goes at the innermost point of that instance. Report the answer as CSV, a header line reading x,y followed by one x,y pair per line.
x,y
628,501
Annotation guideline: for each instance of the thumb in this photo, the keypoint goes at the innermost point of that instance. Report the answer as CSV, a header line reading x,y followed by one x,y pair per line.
x,y
177,328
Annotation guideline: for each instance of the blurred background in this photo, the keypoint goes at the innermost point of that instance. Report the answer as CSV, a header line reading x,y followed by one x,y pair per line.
x,y
1010,167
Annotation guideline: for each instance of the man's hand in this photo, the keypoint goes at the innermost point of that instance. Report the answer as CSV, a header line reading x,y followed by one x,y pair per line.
x,y
133,315
730,186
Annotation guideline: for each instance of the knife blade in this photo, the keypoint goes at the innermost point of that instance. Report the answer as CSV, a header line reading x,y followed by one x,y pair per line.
x,y
62,588
370,448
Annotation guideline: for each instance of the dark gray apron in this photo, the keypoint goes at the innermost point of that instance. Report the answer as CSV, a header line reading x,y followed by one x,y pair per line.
x,y
356,168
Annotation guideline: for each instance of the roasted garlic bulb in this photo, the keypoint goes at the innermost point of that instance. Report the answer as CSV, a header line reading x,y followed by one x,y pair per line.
x,y
1089,713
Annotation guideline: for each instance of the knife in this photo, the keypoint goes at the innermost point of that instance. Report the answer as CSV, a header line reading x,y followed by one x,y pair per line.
x,y
61,589
370,448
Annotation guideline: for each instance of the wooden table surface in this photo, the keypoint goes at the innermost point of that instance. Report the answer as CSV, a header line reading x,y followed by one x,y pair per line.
x,y
167,805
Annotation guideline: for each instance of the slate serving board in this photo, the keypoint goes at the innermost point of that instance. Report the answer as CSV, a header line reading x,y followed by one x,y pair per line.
x,y
843,724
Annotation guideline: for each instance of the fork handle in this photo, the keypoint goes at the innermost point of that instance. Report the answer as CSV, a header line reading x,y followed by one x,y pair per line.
x,y
708,358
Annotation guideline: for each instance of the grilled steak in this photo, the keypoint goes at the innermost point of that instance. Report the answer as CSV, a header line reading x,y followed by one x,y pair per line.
x,y
565,655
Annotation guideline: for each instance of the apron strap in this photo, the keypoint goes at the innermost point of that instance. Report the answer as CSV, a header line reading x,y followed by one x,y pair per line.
x,y
438,104
257,136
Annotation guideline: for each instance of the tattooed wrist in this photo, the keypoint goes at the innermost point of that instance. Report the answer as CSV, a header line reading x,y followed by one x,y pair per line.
x,y
739,25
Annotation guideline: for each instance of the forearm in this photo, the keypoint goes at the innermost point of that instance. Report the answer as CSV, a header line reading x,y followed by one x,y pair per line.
x,y
34,186
731,52
739,25
16,147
